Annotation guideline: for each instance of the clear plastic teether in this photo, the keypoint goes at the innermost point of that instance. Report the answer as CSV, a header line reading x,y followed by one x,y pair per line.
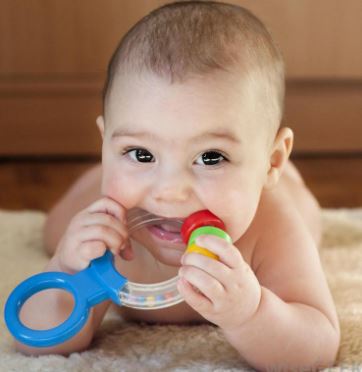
x,y
155,295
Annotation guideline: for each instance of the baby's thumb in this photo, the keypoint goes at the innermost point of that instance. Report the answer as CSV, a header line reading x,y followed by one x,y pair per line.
x,y
127,252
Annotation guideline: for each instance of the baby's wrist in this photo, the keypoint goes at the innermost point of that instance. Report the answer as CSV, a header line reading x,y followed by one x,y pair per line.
x,y
249,322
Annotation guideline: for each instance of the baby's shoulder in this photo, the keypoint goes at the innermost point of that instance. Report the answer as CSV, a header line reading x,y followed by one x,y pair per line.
x,y
277,230
275,210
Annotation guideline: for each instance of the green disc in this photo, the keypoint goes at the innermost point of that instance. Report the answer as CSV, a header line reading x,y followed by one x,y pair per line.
x,y
208,230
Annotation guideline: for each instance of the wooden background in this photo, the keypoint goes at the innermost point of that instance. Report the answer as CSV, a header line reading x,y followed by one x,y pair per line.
x,y
54,54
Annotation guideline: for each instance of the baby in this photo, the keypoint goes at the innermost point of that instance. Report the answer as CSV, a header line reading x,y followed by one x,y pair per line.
x,y
193,104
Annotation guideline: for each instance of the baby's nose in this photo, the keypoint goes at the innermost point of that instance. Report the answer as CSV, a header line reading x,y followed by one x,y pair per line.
x,y
172,186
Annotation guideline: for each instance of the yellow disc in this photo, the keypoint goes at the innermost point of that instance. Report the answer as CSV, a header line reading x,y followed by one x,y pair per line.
x,y
200,250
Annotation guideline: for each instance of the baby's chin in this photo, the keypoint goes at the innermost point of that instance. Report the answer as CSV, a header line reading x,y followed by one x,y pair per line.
x,y
167,256
164,255
163,252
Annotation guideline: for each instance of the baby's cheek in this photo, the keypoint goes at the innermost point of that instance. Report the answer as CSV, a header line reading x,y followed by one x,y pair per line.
x,y
238,226
237,212
118,188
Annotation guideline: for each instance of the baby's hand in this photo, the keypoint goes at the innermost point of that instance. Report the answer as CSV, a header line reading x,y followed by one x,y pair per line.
x,y
225,292
90,232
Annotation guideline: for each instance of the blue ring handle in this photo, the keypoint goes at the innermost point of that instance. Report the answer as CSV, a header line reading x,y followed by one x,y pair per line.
x,y
95,284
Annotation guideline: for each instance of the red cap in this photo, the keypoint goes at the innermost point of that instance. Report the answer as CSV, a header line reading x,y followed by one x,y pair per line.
x,y
198,219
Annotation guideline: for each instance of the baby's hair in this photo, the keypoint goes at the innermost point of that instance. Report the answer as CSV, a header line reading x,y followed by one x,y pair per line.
x,y
184,39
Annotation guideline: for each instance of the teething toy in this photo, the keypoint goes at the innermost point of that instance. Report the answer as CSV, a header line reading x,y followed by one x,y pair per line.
x,y
202,223
101,281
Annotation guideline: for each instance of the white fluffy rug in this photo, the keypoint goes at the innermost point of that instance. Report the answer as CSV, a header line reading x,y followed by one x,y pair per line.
x,y
120,346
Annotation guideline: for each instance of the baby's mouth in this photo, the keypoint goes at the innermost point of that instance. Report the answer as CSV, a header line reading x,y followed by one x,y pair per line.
x,y
170,227
167,231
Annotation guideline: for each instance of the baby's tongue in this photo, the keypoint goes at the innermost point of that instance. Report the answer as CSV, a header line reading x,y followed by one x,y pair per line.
x,y
170,227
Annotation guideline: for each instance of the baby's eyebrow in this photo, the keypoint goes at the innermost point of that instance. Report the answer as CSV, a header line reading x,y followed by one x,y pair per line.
x,y
221,134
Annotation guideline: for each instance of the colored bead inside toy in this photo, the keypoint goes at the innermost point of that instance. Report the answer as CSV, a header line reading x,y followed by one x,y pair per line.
x,y
168,295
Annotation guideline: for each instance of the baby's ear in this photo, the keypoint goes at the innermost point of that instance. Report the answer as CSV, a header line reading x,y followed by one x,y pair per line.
x,y
100,124
281,150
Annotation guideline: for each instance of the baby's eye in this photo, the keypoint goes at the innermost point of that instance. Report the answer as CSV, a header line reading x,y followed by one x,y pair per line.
x,y
140,155
211,158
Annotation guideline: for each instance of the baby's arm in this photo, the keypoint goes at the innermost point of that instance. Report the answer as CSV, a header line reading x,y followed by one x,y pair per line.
x,y
85,190
296,325
90,232
48,309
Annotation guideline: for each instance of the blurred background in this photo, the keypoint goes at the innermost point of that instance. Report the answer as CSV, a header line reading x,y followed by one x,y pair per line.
x,y
53,59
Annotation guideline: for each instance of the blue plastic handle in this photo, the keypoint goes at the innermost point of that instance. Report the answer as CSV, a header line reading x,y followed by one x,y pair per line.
x,y
95,284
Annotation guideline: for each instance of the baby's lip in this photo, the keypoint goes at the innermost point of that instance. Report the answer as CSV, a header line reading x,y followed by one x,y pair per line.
x,y
166,233
171,227
137,215
147,213
169,217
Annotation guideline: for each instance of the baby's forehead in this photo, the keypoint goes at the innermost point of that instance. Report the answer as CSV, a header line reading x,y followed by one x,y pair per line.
x,y
200,39
224,96
162,129
219,89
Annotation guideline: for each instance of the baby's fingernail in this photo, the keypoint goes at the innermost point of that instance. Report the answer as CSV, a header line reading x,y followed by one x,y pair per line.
x,y
126,245
129,255
200,240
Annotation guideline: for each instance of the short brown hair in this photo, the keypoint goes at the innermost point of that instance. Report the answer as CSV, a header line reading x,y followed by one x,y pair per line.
x,y
187,38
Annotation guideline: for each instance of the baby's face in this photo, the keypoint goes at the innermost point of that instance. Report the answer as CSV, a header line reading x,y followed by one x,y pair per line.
x,y
176,149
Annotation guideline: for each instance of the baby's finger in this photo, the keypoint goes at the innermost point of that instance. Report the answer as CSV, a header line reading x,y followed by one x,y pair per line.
x,y
101,218
92,249
112,239
127,252
109,206
205,283
215,268
193,297
227,252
